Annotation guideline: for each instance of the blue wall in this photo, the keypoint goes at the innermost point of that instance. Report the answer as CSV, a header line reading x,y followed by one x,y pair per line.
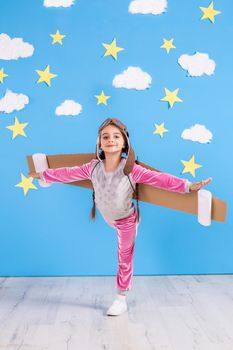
x,y
48,231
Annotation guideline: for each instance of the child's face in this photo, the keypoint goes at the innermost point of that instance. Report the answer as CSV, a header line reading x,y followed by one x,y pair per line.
x,y
111,140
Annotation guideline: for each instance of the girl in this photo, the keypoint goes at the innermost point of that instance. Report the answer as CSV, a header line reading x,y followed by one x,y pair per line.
x,y
115,179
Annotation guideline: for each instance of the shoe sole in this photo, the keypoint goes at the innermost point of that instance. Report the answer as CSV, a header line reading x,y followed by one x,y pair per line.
x,y
109,314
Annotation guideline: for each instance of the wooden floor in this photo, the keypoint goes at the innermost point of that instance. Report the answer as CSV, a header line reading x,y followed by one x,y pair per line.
x,y
164,312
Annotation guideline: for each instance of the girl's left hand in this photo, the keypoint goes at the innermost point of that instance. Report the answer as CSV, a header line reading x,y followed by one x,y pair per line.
x,y
195,186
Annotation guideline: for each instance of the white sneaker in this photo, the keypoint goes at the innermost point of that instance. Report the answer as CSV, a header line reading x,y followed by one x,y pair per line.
x,y
118,306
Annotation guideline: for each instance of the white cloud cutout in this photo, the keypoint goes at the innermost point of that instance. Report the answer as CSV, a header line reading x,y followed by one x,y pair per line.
x,y
58,3
12,49
198,133
13,102
132,78
154,7
69,107
197,64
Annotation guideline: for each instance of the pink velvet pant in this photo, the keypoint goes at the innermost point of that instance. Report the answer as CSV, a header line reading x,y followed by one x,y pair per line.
x,y
126,234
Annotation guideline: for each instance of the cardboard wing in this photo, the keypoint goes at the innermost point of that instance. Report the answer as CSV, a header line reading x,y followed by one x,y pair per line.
x,y
186,202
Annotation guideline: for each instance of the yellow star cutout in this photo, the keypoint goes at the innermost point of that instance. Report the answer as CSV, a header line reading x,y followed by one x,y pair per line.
x,y
102,98
160,129
112,49
57,38
171,97
2,75
168,45
45,75
17,128
209,12
26,184
190,166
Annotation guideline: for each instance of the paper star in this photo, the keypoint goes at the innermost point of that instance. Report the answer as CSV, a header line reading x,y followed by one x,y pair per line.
x,y
45,75
112,49
57,38
190,166
168,45
209,12
26,184
160,129
171,97
17,128
102,98
2,75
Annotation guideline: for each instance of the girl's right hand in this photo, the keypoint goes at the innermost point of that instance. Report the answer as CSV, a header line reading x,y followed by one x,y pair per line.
x,y
34,174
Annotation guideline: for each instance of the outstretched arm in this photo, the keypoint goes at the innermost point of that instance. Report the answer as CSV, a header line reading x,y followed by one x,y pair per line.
x,y
164,180
65,174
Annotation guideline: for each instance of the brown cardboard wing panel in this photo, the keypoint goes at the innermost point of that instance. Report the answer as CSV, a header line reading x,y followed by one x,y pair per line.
x,y
184,202
67,160
187,202
63,160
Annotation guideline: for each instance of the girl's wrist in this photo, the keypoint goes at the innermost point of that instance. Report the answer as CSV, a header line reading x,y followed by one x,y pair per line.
x,y
40,176
187,186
